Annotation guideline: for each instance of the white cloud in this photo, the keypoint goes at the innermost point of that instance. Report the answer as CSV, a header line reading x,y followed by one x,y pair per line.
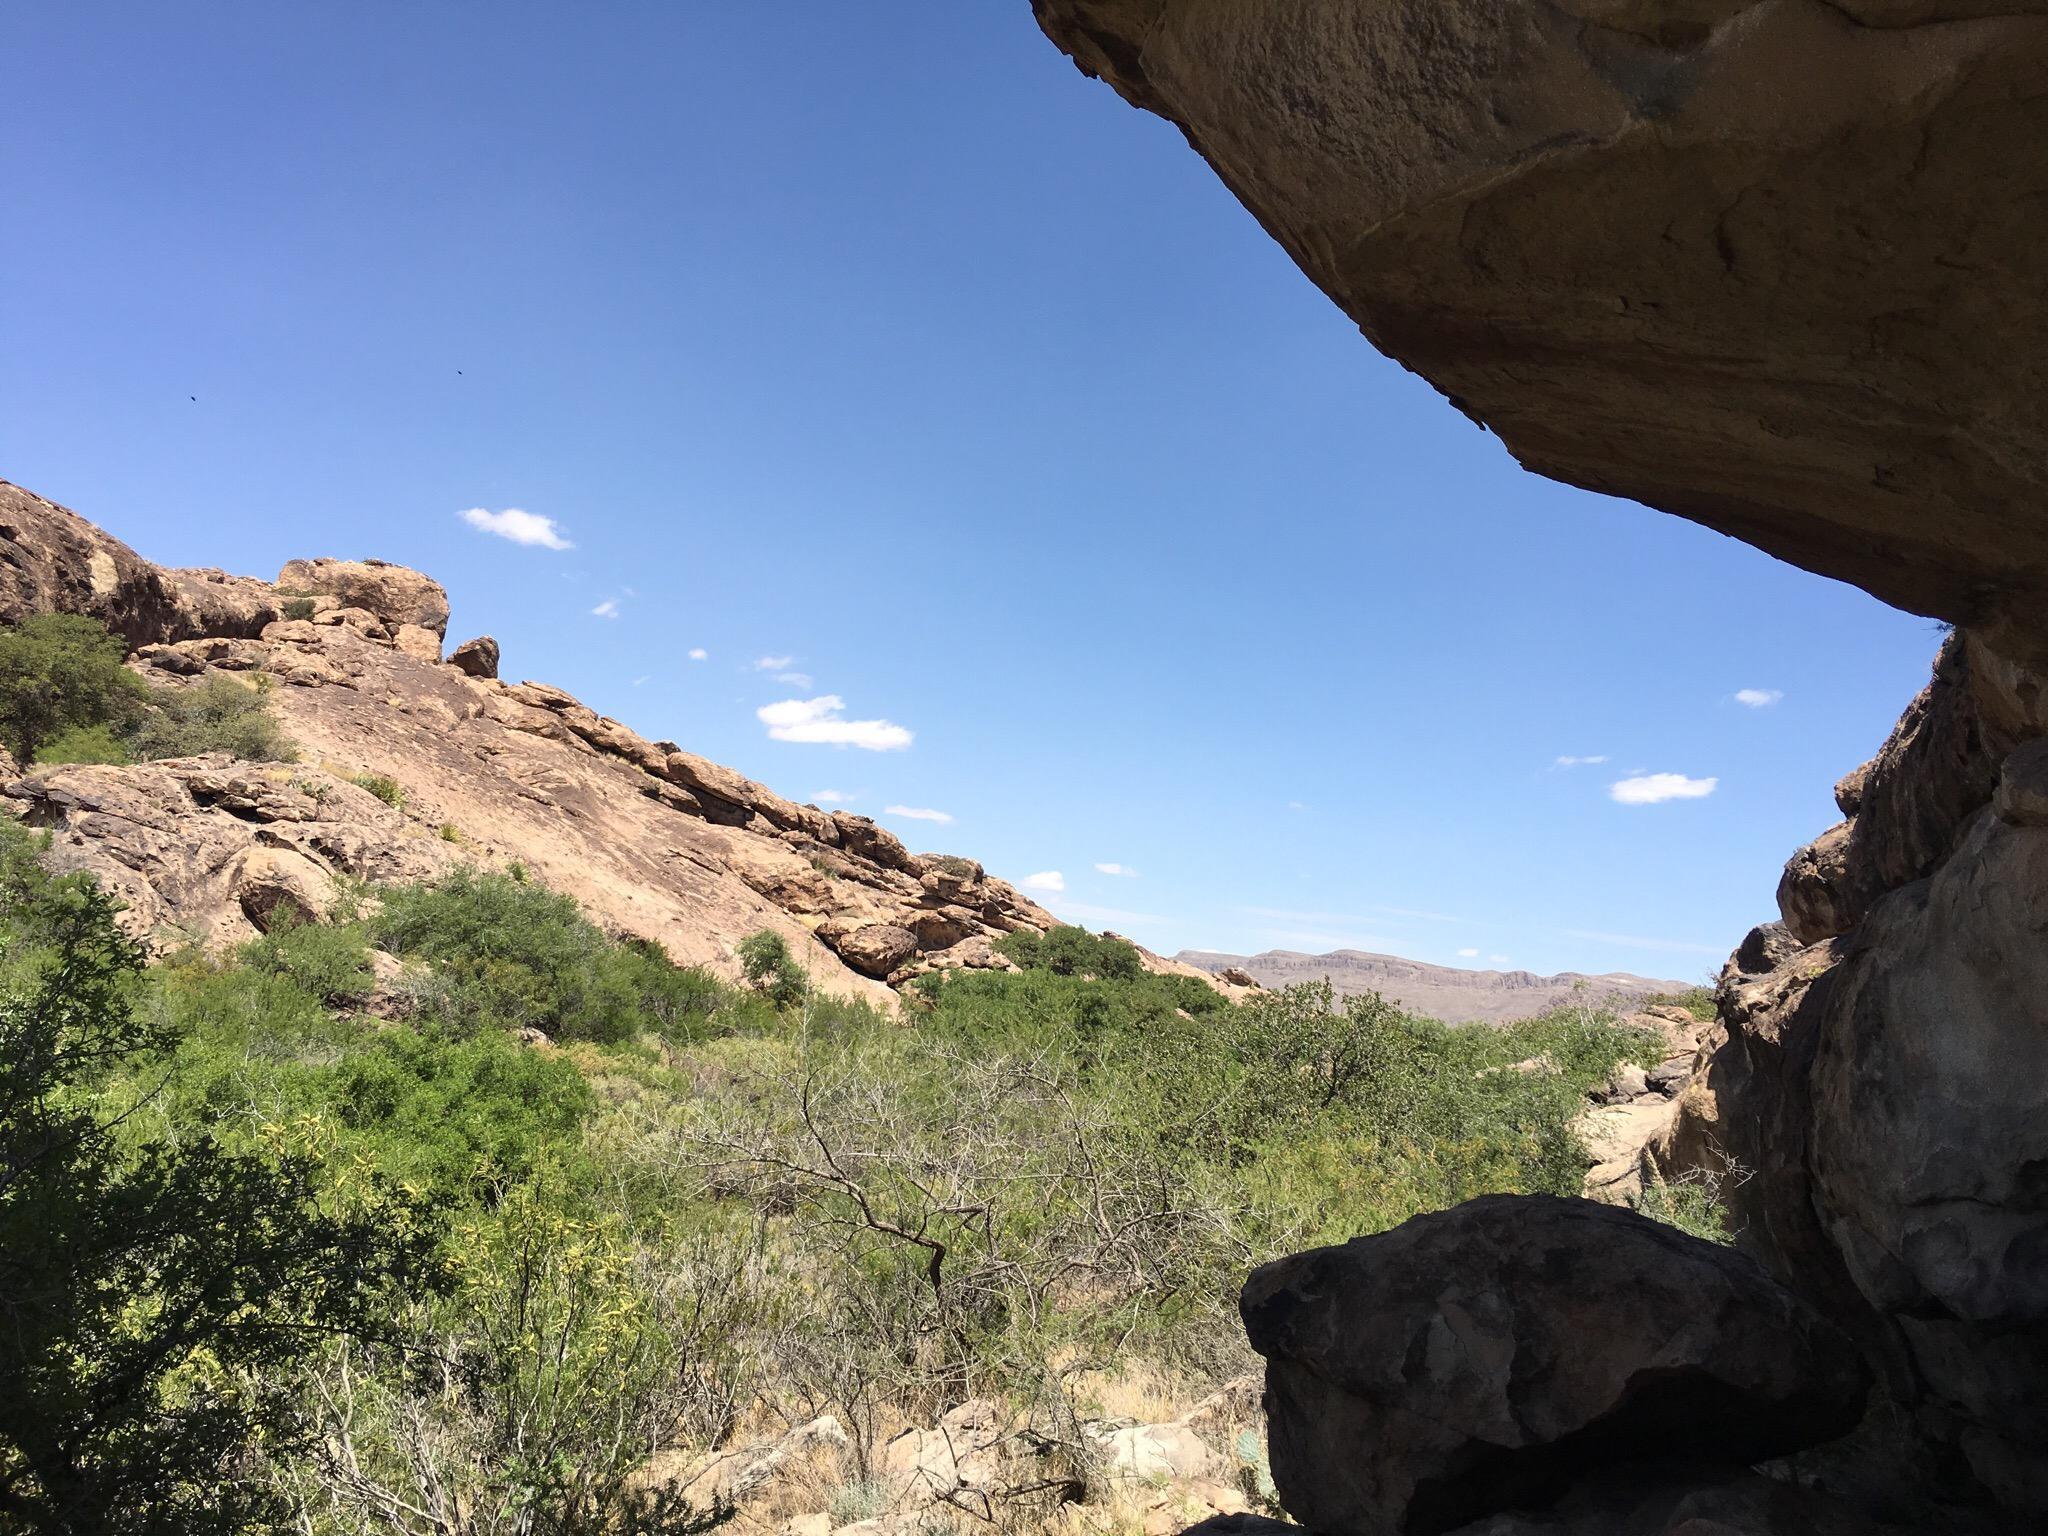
x,y
1075,911
698,653
1044,880
918,813
639,682
1124,870
1497,959
773,663
520,527
608,609
796,679
1573,762
1758,698
1630,941
1468,954
822,720
1655,788
832,797
1296,805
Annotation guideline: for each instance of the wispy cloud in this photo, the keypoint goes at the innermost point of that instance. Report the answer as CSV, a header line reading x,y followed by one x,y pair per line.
x,y
520,527
698,653
1468,954
1656,788
1123,871
608,609
1758,698
833,797
1082,911
1344,919
1574,762
773,663
823,720
1296,805
1044,880
1631,941
918,813
796,679
641,682
1497,959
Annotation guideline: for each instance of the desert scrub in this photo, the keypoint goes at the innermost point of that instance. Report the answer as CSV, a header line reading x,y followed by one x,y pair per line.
x,y
769,967
385,788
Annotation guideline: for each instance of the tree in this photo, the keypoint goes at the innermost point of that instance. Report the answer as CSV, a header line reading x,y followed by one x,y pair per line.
x,y
59,671
156,1302
769,967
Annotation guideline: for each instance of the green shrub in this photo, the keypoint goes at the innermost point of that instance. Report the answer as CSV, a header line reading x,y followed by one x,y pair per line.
x,y
298,608
449,832
387,789
507,952
85,744
1069,951
60,671
769,967
164,1294
216,714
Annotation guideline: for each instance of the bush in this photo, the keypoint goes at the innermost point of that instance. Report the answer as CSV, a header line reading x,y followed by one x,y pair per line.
x,y
298,608
389,790
59,672
770,969
162,1298
1073,952
509,953
216,714
85,744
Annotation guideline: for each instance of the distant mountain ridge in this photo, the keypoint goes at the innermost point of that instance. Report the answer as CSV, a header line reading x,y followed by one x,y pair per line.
x,y
1438,991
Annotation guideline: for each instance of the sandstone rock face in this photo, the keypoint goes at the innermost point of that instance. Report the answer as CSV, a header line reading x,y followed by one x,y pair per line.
x,y
391,592
54,561
212,850
1491,1356
653,841
1771,265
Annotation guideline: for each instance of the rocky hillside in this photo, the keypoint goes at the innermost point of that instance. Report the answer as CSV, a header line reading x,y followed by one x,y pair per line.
x,y
1776,267
1436,991
654,841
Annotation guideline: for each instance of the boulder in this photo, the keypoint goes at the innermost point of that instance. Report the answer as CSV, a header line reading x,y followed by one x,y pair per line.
x,y
1485,1358
395,594
477,658
873,949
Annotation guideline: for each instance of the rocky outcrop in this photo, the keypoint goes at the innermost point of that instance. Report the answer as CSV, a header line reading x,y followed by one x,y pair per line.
x,y
1494,1356
1771,265
655,842
395,595
1775,266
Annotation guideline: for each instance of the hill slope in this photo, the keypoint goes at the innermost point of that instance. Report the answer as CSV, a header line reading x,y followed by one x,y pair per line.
x,y
653,841
1439,991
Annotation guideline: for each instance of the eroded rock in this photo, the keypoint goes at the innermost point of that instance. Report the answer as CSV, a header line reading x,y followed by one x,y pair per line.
x,y
1487,1357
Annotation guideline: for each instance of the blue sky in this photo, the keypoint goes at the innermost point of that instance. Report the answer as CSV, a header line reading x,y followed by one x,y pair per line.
x,y
883,348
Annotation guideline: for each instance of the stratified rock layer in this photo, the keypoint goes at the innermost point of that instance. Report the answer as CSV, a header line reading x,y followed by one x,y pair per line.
x,y
1773,265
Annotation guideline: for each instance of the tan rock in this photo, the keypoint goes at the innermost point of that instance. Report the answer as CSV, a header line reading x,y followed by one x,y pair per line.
x,y
418,642
394,594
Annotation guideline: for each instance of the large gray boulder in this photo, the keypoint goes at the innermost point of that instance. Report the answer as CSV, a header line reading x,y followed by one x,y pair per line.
x,y
1492,1356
